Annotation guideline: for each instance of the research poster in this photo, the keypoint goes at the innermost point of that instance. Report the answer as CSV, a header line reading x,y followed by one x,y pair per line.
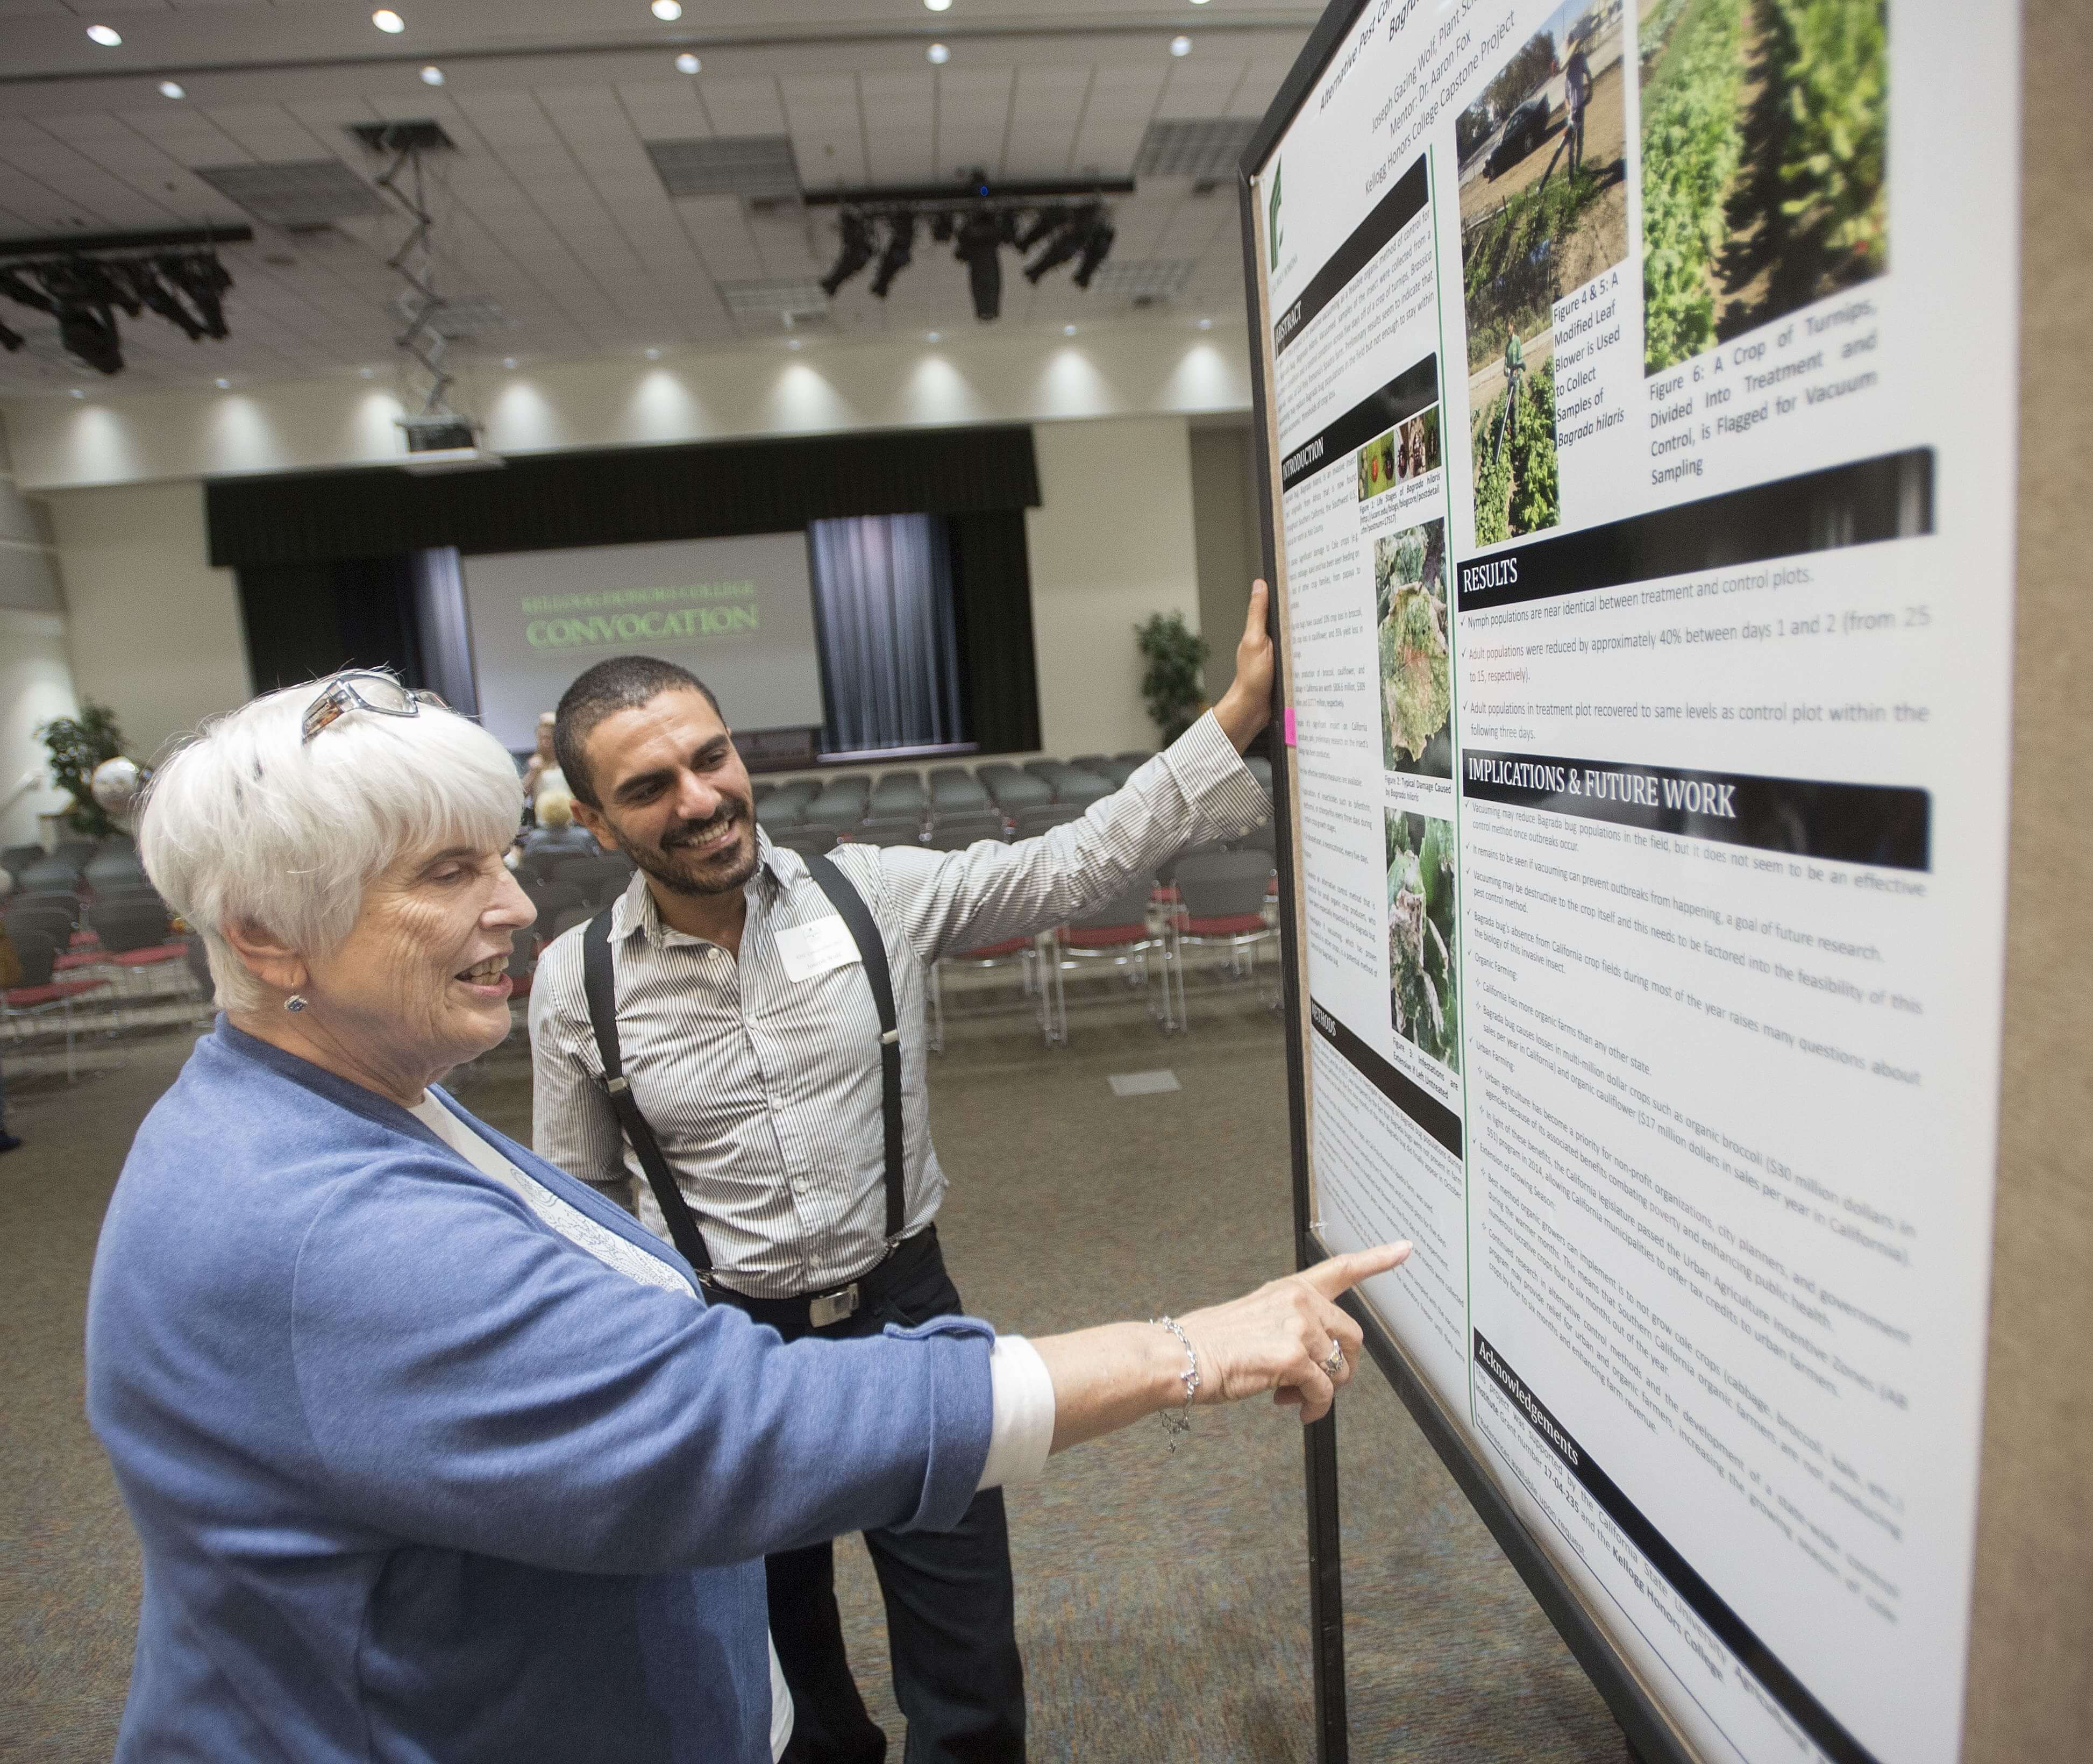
x,y
1639,382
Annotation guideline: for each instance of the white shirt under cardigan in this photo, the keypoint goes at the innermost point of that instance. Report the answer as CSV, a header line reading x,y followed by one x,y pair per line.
x,y
1021,1429
763,1083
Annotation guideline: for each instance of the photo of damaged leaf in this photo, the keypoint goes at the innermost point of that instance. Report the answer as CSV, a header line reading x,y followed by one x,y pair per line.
x,y
1409,605
1424,979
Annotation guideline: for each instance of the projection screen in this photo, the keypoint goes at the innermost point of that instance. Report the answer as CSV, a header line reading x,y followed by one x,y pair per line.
x,y
738,612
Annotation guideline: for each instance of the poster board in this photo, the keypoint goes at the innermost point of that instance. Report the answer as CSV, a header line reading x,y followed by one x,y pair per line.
x,y
1644,539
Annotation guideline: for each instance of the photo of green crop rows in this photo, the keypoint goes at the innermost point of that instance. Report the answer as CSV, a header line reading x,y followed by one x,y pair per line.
x,y
1765,126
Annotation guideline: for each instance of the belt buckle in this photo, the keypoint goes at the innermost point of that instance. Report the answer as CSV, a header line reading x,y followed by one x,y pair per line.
x,y
833,1307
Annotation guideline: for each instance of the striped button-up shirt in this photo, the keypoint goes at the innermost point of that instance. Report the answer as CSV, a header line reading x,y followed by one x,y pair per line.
x,y
765,1092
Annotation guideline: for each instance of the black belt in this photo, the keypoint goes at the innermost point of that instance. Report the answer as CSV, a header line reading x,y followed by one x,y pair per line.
x,y
792,1318
600,986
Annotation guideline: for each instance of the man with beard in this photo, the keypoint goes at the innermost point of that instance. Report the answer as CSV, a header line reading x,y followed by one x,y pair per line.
x,y
751,1055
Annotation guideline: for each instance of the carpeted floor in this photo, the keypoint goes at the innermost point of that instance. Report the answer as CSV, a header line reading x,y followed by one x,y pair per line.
x,y
1161,1601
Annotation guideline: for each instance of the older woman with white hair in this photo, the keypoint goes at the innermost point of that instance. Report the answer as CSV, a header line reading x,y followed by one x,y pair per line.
x,y
433,1452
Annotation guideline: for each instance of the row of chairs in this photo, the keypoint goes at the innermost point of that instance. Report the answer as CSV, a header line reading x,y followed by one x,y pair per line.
x,y
907,802
115,951
1209,897
73,865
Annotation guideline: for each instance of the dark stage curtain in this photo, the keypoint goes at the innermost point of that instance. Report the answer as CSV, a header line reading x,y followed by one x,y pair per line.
x,y
992,604
620,495
305,620
890,652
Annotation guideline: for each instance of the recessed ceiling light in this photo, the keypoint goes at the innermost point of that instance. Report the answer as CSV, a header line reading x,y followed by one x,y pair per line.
x,y
78,393
793,344
1180,46
1067,331
687,62
432,77
1199,3
169,90
107,35
668,11
934,336
939,6
653,355
939,55
368,373
1205,324
222,384
508,361
388,21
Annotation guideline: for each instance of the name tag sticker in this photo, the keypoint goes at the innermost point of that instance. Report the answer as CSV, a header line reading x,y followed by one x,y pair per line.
x,y
814,948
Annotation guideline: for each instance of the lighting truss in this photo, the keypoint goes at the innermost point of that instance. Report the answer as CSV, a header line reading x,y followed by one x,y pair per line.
x,y
1063,222
85,290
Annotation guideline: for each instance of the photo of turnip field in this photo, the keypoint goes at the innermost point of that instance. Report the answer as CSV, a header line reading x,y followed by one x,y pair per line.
x,y
1423,978
1416,681
1543,209
1764,129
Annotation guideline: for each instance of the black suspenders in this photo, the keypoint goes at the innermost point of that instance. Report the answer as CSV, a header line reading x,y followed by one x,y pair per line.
x,y
600,983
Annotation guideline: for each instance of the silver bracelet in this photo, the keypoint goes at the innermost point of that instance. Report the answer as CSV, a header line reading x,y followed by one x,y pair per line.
x,y
1173,1425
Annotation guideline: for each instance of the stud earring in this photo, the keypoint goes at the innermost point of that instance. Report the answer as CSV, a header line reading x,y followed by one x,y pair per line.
x,y
295,1003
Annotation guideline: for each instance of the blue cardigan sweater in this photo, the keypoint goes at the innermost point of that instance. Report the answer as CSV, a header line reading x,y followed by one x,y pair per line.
x,y
418,1478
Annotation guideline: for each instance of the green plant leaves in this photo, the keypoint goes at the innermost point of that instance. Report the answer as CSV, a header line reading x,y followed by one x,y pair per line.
x,y
77,745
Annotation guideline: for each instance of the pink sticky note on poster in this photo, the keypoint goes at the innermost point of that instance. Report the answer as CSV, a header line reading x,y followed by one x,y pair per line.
x,y
1289,725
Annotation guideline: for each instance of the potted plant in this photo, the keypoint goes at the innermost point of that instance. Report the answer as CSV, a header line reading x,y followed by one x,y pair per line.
x,y
1172,682
77,745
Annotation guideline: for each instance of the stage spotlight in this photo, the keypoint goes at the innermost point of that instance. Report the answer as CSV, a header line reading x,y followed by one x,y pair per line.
x,y
900,250
980,245
89,336
855,253
203,279
1045,221
940,227
10,340
1064,243
1097,246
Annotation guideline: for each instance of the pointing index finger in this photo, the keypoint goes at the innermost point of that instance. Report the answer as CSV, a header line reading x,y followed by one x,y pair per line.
x,y
1340,1273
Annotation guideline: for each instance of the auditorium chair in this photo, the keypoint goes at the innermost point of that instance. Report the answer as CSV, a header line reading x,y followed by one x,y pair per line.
x,y
1090,762
54,875
1081,788
953,788
1260,769
807,839
1014,790
15,859
1219,905
777,813
1116,934
1030,821
599,880
842,804
36,995
897,793
956,832
887,830
113,869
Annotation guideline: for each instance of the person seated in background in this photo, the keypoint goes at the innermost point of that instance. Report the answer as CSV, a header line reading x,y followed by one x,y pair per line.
x,y
433,1451
555,837
541,771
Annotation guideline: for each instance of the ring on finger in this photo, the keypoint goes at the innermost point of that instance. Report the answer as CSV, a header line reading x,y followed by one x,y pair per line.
x,y
1333,1362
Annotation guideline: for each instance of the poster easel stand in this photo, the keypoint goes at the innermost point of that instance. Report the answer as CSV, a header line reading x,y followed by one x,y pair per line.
x,y
2028,1694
